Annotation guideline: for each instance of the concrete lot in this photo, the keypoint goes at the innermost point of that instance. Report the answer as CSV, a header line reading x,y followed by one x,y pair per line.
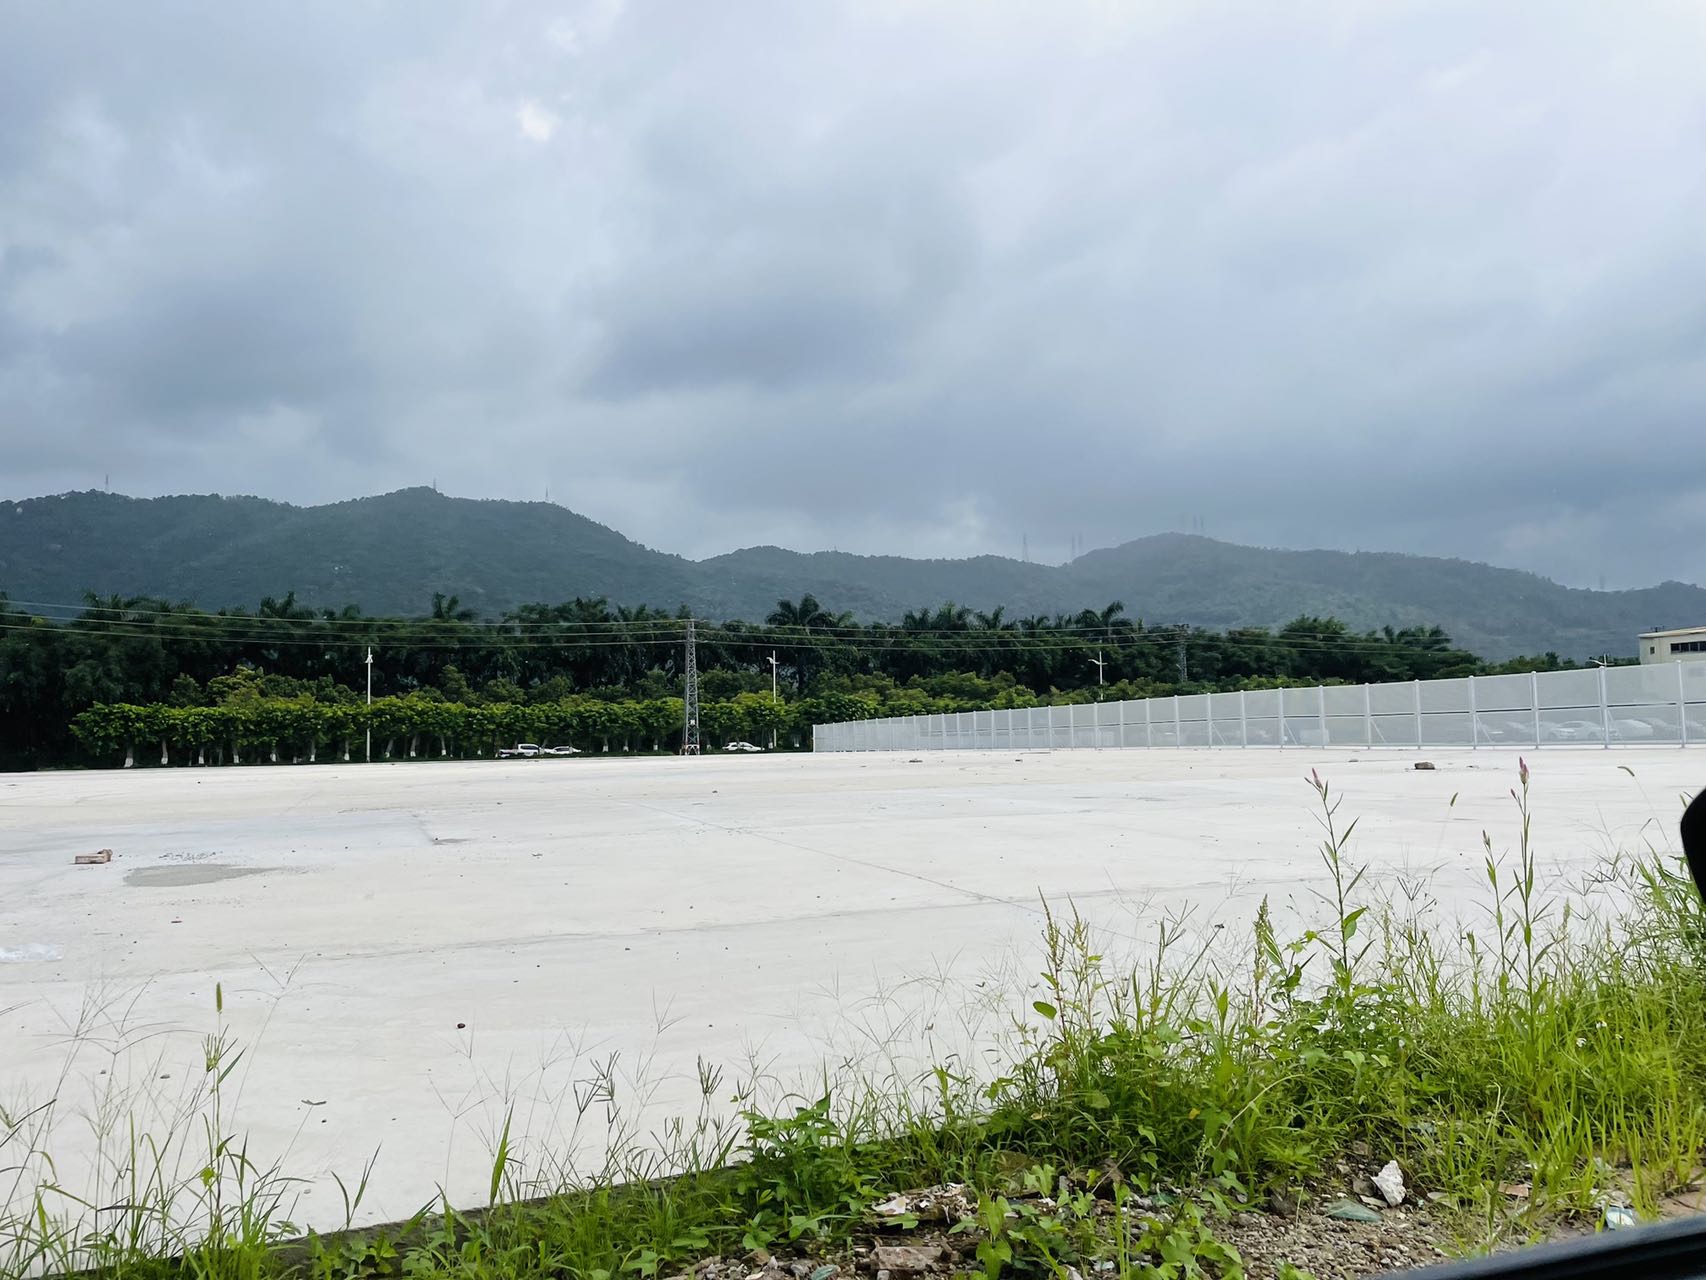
x,y
404,945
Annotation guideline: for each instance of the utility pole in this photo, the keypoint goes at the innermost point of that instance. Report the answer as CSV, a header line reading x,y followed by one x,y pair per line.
x,y
1100,667
773,696
690,698
369,704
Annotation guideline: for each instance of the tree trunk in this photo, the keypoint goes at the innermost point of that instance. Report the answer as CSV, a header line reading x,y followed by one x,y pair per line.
x,y
165,756
272,755
346,750
443,747
235,758
130,755
414,741
313,751
201,754
387,752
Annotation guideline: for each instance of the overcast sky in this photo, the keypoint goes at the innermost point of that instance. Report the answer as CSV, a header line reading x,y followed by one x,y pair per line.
x,y
922,278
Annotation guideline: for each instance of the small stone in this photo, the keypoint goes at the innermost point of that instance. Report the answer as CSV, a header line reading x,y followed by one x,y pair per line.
x,y
1286,1204
1351,1211
1390,1181
758,1258
1618,1217
908,1259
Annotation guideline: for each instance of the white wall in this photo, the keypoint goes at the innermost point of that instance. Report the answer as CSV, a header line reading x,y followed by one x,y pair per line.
x,y
1647,705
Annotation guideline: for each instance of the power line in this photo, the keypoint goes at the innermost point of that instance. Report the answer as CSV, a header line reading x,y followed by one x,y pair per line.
x,y
1017,644
663,621
254,629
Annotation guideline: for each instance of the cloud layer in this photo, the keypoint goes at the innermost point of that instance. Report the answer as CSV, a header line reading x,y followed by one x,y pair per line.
x,y
927,278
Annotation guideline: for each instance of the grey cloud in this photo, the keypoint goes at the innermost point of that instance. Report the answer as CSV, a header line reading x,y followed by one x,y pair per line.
x,y
895,278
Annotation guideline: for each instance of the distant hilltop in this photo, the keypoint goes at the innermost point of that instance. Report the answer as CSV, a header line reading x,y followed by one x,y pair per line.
x,y
389,554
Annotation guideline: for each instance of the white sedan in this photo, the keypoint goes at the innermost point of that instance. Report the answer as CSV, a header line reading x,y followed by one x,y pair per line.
x,y
742,746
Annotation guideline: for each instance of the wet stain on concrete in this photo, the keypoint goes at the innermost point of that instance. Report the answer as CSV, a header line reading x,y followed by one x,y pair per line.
x,y
182,876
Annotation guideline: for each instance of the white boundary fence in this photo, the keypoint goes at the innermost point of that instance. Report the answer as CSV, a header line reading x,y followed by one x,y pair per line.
x,y
1646,705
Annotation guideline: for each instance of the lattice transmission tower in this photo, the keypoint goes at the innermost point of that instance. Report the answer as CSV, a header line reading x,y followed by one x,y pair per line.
x,y
690,698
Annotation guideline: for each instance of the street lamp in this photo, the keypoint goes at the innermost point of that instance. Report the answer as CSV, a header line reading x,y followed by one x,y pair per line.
x,y
369,704
773,696
1100,667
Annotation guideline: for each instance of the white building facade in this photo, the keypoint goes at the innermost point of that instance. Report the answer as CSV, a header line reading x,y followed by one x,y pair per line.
x,y
1685,645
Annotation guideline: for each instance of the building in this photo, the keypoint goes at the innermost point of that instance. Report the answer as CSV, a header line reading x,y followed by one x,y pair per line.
x,y
1685,645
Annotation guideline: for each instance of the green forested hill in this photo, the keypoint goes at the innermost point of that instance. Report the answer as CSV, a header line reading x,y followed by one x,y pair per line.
x,y
388,554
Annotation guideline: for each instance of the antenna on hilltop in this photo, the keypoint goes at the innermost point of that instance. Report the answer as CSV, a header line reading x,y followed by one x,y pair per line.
x,y
690,698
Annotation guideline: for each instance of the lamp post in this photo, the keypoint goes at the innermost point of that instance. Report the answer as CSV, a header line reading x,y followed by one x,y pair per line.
x,y
369,704
773,696
1100,667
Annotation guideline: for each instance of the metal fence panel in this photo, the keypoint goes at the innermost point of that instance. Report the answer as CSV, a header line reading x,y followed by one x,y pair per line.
x,y
1609,706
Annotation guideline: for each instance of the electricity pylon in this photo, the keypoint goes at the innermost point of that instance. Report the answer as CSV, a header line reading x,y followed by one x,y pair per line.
x,y
690,698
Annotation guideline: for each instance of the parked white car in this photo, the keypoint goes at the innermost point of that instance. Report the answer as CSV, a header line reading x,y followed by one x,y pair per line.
x,y
565,750
524,749
742,746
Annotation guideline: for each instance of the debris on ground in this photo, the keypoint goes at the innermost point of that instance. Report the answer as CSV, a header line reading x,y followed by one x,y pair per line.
x,y
1618,1216
1352,1211
1390,1183
94,859
906,1259
952,1202
1424,764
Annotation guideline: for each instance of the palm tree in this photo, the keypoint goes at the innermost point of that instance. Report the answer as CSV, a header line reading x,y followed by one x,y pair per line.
x,y
808,613
450,609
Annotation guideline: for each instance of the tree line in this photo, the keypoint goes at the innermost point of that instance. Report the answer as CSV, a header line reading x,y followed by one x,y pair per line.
x,y
87,683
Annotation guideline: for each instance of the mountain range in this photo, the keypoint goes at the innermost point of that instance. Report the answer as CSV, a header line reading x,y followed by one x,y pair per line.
x,y
390,553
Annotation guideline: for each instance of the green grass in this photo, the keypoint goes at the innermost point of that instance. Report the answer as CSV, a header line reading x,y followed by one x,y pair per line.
x,y
1553,1040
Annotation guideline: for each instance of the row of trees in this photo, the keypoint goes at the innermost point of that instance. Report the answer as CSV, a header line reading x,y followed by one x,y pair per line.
x,y
140,652
303,730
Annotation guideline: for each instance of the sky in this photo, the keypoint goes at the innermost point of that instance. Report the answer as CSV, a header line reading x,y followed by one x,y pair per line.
x,y
926,278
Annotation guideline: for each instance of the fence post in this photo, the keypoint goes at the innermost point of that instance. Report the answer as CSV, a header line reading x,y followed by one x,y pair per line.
x,y
1368,715
1534,698
1418,690
1243,721
1178,725
1604,713
1149,722
1474,718
1279,699
1208,701
1120,706
1681,704
1321,711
